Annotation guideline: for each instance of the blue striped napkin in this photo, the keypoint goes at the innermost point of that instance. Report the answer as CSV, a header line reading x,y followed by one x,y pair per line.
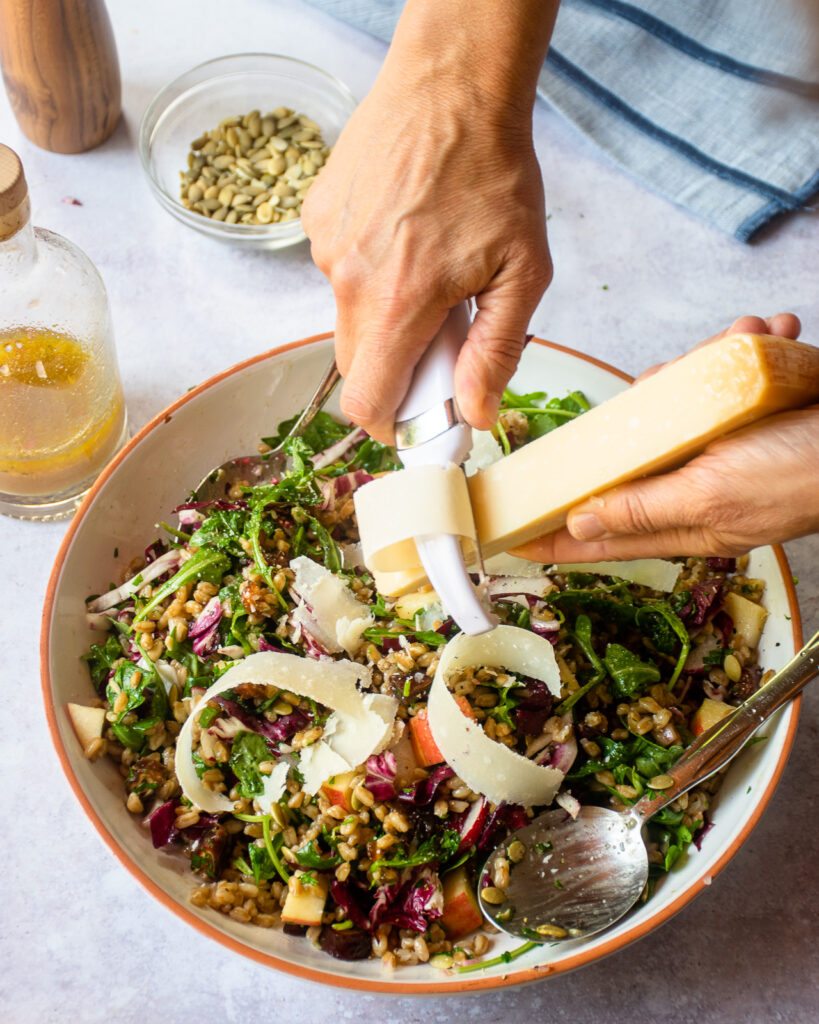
x,y
713,104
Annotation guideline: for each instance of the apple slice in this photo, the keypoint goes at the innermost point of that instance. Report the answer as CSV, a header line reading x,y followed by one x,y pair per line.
x,y
88,722
472,823
425,748
461,914
748,617
306,896
408,605
709,713
338,789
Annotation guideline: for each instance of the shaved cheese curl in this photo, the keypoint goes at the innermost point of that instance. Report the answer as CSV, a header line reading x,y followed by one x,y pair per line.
x,y
485,766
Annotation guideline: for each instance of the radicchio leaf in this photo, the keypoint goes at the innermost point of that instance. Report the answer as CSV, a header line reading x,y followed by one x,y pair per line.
x,y
380,779
413,905
503,820
424,792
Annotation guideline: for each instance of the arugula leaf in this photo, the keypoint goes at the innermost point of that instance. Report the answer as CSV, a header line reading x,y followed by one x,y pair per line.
x,y
437,848
430,637
133,736
101,657
320,434
507,702
122,680
545,418
582,636
310,856
629,675
249,748
204,564
613,603
223,530
663,626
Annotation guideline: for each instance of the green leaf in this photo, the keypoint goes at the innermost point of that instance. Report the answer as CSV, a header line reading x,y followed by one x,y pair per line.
x,y
223,530
122,680
101,657
629,675
582,636
663,626
248,750
437,848
204,564
133,736
319,434
310,856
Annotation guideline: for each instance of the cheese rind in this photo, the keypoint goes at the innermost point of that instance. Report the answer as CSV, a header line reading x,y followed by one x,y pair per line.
x,y
653,426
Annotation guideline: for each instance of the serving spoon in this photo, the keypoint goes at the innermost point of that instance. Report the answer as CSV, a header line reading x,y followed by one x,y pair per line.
x,y
577,876
261,469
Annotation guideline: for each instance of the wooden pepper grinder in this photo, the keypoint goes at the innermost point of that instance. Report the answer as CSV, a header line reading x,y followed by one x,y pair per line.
x,y
61,72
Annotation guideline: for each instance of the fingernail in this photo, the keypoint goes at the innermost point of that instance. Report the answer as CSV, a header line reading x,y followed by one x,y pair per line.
x,y
587,526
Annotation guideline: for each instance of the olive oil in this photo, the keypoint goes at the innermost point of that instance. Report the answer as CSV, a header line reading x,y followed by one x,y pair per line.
x,y
62,416
61,412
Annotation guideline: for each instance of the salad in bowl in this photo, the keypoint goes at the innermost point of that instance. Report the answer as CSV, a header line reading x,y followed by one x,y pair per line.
x,y
272,719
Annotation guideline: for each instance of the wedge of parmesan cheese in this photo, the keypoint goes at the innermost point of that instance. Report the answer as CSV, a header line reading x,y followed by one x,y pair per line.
x,y
485,766
361,724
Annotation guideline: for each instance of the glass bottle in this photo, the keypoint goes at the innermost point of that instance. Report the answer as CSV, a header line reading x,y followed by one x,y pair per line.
x,y
62,414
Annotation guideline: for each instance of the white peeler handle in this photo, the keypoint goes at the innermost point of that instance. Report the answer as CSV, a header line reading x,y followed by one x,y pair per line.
x,y
430,431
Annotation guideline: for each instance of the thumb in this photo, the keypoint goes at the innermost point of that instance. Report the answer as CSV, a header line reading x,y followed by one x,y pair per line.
x,y
648,506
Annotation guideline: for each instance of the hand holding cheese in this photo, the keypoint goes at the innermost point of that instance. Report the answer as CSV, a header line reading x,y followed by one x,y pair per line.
x,y
655,425
758,486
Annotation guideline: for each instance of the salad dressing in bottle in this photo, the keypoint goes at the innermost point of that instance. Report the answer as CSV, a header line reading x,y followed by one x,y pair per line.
x,y
62,414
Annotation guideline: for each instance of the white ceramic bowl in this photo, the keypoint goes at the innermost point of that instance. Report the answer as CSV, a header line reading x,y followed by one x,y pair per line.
x,y
200,98
173,453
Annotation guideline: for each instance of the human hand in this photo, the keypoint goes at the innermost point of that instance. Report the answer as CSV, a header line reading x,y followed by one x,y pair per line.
x,y
433,195
760,485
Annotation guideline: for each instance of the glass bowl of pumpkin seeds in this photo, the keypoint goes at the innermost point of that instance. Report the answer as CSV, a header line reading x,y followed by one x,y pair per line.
x,y
232,146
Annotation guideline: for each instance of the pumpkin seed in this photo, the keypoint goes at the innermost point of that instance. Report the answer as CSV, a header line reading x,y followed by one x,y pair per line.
x,y
253,169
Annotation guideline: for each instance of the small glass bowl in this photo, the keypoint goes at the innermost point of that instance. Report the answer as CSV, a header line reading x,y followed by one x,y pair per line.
x,y
199,99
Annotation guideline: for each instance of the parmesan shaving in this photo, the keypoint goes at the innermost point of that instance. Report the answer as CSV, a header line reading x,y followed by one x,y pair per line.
x,y
485,766
332,605
656,573
360,725
417,502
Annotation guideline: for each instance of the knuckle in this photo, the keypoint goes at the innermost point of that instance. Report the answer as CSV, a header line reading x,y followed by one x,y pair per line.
x,y
633,516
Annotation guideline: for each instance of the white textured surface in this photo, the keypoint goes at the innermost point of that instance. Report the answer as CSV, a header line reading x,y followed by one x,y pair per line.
x,y
80,940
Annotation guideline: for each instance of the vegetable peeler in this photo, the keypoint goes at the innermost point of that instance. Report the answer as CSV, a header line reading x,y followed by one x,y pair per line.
x,y
430,431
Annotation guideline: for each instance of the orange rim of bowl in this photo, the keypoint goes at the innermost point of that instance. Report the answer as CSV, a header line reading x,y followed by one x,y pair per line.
x,y
268,959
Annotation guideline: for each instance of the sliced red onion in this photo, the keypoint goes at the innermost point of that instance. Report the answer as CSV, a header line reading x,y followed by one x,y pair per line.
x,y
338,450
165,563
559,756
190,517
338,486
206,619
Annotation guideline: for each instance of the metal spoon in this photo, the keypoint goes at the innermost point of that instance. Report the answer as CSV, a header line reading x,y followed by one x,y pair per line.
x,y
260,469
578,876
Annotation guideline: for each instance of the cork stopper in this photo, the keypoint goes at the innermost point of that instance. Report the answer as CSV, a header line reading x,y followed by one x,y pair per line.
x,y
14,205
